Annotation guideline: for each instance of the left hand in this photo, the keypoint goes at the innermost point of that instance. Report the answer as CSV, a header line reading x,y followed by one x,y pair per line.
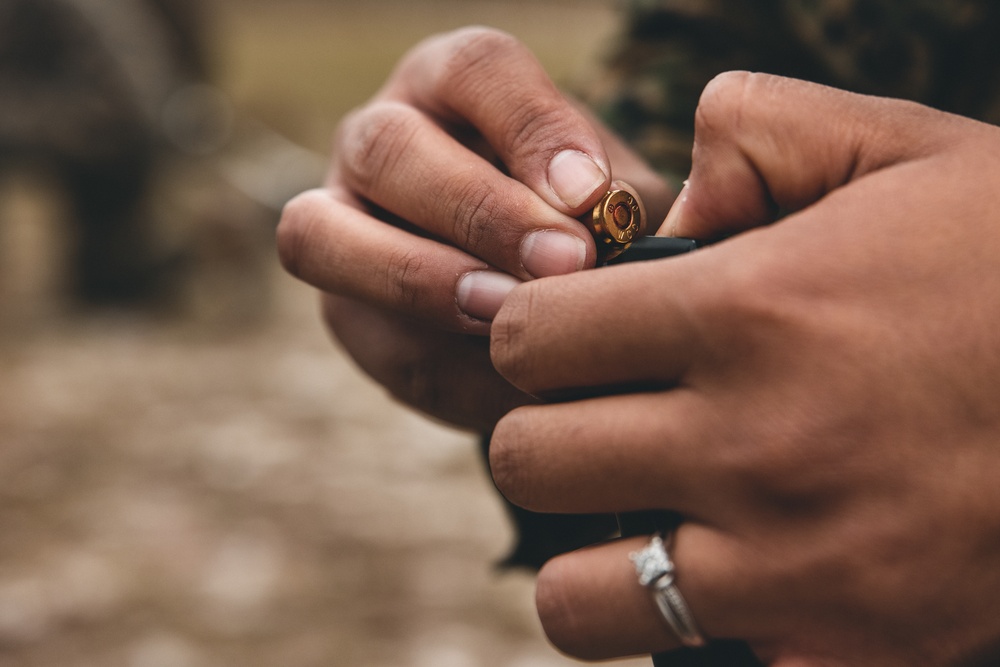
x,y
817,397
461,177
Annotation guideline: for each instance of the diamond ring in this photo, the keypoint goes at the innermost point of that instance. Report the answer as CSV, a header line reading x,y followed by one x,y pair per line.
x,y
656,572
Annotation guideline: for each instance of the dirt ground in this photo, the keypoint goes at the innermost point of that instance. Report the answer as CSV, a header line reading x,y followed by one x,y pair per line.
x,y
218,485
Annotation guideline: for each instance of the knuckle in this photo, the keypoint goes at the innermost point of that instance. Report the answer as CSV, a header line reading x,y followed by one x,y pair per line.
x,y
508,451
536,117
557,610
721,102
471,69
477,213
474,49
540,123
374,140
508,351
400,278
298,227
732,97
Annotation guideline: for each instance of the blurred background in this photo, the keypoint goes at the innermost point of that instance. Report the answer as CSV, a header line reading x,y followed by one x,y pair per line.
x,y
191,474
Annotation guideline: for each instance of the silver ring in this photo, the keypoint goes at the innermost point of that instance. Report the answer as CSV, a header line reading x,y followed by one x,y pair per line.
x,y
656,572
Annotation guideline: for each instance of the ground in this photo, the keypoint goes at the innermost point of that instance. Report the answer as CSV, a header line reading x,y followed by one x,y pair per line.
x,y
217,484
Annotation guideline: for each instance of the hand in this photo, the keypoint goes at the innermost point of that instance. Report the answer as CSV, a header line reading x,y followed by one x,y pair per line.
x,y
817,397
459,180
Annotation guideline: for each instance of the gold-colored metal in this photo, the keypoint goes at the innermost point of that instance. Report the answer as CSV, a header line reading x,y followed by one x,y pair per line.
x,y
617,220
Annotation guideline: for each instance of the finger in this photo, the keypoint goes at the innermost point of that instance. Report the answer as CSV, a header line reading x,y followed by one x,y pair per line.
x,y
340,249
765,144
571,457
591,604
447,376
490,80
391,154
670,450
601,328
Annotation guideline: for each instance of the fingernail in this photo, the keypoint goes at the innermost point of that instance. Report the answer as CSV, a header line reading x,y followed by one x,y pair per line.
x,y
574,177
481,293
551,253
669,226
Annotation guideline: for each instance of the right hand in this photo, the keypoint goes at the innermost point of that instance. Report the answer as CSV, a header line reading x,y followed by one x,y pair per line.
x,y
419,235
816,396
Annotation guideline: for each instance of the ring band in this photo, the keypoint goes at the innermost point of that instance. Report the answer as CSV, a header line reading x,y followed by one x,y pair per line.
x,y
656,572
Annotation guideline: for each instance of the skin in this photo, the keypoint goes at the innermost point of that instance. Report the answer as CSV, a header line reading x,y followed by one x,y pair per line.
x,y
816,396
446,190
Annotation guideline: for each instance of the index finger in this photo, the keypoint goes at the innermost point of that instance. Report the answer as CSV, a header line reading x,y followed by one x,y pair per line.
x,y
490,80
603,328
765,144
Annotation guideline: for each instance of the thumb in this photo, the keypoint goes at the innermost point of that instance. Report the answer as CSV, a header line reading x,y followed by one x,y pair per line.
x,y
766,145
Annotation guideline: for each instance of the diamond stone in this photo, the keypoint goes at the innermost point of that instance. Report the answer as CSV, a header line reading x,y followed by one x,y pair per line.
x,y
652,563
